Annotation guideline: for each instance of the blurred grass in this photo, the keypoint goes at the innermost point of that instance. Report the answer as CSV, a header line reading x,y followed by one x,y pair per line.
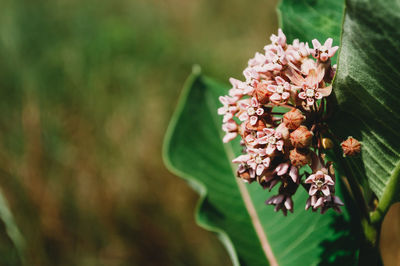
x,y
86,92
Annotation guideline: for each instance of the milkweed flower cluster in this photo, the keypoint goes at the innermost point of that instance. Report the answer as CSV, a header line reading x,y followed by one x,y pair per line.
x,y
279,112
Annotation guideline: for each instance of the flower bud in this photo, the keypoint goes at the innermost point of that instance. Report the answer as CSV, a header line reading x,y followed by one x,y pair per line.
x,y
301,137
283,130
261,93
351,147
259,126
299,158
293,119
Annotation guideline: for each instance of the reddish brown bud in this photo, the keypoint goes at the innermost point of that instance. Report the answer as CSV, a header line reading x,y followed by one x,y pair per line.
x,y
261,92
351,147
301,137
259,126
293,119
299,158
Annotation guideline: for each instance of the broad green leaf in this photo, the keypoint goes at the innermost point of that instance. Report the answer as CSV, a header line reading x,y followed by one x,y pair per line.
x,y
312,19
252,232
368,93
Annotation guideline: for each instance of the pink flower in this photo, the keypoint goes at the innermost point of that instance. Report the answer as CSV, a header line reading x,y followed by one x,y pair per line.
x,y
281,202
276,60
309,85
297,51
239,88
279,40
271,138
323,52
230,128
257,60
283,170
319,182
325,203
280,91
229,107
250,110
256,159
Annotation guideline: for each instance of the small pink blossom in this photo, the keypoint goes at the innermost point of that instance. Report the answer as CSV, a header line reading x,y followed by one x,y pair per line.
x,y
256,159
280,91
250,110
310,91
319,182
271,138
281,202
278,40
323,52
229,107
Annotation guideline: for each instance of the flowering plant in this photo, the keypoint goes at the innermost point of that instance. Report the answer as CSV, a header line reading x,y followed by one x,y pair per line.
x,y
280,112
279,124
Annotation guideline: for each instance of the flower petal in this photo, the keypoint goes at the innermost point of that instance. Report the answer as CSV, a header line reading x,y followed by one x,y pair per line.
x,y
313,190
325,190
260,169
229,136
325,91
316,44
275,97
282,169
253,120
302,95
294,173
328,43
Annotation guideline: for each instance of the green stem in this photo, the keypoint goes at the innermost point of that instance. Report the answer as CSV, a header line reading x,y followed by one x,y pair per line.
x,y
389,195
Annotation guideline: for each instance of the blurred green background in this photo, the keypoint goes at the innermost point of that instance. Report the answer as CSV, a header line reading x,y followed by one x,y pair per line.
x,y
86,92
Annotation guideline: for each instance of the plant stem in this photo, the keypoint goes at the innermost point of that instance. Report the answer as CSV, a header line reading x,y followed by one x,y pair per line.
x,y
390,193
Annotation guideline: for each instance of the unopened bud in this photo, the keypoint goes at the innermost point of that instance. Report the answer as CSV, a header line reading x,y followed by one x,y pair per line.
x,y
293,119
261,93
299,158
259,126
351,147
301,137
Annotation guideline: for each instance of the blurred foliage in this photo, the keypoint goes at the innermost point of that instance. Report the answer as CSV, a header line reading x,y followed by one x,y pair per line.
x,y
86,92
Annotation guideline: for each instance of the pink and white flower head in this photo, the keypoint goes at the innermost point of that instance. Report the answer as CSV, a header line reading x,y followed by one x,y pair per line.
x,y
250,109
280,91
279,142
319,182
271,138
323,52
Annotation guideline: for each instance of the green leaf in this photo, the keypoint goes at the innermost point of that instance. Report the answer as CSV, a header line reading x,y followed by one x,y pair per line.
x,y
312,19
368,93
252,232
